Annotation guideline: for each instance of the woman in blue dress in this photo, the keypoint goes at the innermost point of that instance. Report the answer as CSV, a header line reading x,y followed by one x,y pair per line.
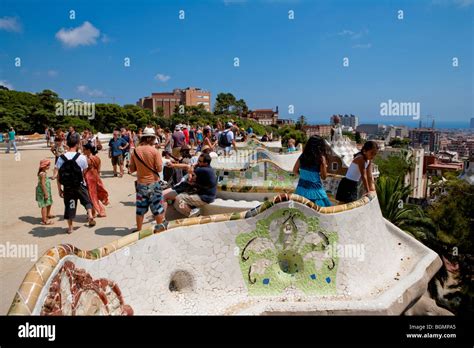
x,y
311,167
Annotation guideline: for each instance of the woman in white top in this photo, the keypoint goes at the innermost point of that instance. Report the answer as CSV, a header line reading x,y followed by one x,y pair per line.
x,y
360,169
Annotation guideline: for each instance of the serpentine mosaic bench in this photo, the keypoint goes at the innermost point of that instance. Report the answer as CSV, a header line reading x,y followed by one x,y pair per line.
x,y
282,257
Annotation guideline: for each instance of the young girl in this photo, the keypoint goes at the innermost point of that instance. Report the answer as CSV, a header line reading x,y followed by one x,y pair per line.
x,y
360,168
311,166
43,192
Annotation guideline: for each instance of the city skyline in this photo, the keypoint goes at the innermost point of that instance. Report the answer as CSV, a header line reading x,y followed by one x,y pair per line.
x,y
294,63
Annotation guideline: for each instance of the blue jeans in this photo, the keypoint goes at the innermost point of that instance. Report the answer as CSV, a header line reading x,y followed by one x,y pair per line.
x,y
9,144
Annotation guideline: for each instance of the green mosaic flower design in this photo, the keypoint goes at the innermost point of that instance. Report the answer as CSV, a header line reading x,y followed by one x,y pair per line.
x,y
288,249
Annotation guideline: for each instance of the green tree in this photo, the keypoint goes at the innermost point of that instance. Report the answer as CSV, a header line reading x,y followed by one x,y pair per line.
x,y
350,135
453,215
395,165
358,138
301,122
392,195
241,107
225,104
401,143
288,132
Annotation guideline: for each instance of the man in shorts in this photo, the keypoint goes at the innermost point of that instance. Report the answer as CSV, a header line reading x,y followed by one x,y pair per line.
x,y
116,147
147,162
200,190
71,178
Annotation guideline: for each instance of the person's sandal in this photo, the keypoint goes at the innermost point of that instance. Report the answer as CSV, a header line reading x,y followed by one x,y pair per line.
x,y
161,227
69,231
92,222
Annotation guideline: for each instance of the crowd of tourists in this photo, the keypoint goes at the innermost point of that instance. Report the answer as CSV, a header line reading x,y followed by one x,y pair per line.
x,y
173,168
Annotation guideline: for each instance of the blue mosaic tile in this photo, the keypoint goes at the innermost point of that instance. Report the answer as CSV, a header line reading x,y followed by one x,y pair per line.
x,y
266,281
313,276
328,280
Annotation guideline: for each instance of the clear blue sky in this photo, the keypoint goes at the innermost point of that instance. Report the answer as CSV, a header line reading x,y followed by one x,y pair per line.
x,y
282,62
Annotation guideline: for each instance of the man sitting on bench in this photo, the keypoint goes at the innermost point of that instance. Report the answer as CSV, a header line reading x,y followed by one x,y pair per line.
x,y
199,190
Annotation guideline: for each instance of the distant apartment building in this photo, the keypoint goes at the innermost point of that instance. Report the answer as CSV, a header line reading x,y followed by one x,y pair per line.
x,y
266,117
448,156
434,167
417,178
372,130
468,171
394,132
347,120
463,146
322,130
443,143
169,100
426,138
285,121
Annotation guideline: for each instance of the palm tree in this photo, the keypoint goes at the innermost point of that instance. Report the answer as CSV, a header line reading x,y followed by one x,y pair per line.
x,y
392,195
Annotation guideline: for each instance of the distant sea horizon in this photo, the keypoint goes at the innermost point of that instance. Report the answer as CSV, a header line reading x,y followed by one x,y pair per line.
x,y
411,123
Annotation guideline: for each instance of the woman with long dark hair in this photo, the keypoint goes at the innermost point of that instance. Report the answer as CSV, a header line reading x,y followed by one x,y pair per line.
x,y
360,169
311,167
97,192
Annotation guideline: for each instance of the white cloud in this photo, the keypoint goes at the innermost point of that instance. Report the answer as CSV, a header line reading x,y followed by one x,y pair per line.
x,y
162,78
352,34
5,83
83,89
50,73
367,45
10,24
346,32
86,34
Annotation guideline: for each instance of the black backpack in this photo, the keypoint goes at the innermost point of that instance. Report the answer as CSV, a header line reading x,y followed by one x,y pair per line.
x,y
70,174
223,141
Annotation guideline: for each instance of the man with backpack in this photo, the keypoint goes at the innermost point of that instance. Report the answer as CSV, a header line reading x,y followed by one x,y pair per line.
x,y
226,139
71,166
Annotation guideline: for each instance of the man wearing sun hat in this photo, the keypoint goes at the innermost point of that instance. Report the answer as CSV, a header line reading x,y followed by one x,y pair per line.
x,y
147,162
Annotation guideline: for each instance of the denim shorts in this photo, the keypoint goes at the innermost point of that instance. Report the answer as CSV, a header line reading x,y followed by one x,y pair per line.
x,y
149,196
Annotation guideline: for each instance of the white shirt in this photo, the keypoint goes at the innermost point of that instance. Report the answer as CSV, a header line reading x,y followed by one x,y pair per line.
x,y
353,173
229,134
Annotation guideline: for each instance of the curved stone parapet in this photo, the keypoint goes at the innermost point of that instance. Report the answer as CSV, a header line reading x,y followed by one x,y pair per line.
x,y
246,157
279,258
